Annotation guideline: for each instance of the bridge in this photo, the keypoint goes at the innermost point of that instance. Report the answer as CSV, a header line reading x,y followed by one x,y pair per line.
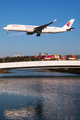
x,y
41,64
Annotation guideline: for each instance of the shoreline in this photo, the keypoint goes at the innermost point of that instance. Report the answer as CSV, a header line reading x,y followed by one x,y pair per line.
x,y
2,71
74,71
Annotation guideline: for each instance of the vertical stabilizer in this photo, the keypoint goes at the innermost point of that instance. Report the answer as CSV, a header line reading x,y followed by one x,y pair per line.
x,y
69,24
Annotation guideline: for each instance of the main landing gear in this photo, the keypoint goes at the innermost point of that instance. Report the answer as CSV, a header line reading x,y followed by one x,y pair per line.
x,y
38,33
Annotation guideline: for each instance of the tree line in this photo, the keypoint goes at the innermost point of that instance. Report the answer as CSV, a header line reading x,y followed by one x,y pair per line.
x,y
19,59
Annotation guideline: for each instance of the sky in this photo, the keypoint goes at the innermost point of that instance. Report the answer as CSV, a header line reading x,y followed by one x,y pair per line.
x,y
39,12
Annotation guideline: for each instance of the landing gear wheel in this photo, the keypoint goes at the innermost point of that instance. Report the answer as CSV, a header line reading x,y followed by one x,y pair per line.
x,y
38,34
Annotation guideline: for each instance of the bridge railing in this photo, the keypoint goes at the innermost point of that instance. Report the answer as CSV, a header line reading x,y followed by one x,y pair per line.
x,y
33,64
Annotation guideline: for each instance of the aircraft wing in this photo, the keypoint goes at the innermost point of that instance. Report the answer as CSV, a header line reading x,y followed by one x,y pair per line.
x,y
43,26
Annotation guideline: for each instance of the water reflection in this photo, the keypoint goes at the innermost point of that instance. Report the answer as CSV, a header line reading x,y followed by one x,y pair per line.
x,y
44,98
28,112
19,114
33,109
33,73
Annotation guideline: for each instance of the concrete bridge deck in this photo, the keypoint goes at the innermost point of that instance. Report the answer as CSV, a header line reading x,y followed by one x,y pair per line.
x,y
41,64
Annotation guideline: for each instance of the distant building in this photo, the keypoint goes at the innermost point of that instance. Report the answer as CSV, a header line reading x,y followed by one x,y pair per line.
x,y
8,56
43,54
17,55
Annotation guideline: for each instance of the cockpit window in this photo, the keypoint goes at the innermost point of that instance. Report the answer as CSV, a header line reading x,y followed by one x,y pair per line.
x,y
6,26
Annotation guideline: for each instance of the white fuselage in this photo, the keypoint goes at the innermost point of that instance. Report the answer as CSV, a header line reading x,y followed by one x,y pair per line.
x,y
30,28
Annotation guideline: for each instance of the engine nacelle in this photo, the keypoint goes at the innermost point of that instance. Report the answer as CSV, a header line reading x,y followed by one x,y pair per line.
x,y
29,33
30,30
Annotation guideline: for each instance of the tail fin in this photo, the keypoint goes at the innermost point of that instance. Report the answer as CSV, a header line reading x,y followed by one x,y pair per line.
x,y
69,24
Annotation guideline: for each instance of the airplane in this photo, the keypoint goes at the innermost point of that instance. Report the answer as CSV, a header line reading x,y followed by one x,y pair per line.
x,y
31,29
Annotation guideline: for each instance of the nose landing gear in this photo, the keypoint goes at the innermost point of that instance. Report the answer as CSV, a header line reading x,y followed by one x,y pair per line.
x,y
7,32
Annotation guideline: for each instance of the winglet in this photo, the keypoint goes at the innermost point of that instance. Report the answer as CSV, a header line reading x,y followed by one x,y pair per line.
x,y
54,20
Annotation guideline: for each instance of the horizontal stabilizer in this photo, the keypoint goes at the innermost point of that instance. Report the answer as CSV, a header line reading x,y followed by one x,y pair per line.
x,y
70,29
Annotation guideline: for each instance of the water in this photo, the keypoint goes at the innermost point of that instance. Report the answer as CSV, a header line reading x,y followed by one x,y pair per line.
x,y
29,95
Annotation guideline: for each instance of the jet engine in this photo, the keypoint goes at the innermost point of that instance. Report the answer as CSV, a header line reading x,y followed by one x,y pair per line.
x,y
30,31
